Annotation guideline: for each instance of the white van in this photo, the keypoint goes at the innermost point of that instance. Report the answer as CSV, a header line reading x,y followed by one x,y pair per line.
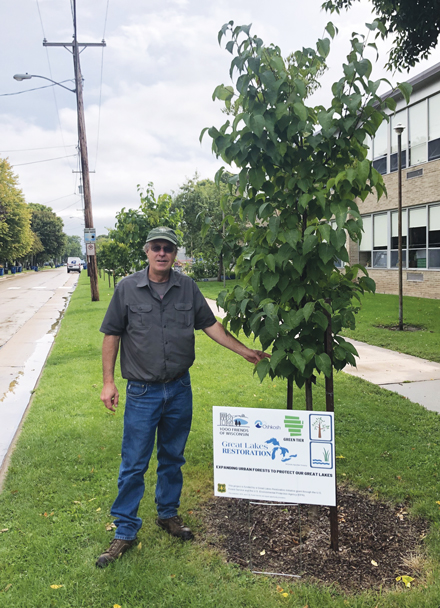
x,y
74,264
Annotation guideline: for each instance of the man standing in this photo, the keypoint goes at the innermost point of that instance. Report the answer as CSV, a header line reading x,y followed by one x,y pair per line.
x,y
153,315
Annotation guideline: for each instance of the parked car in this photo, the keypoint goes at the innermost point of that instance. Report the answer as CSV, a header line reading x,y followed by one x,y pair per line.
x,y
74,264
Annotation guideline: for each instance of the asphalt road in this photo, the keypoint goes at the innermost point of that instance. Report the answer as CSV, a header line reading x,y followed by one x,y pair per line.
x,y
31,306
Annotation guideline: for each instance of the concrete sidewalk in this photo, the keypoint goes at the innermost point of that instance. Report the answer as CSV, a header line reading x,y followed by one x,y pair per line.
x,y
414,378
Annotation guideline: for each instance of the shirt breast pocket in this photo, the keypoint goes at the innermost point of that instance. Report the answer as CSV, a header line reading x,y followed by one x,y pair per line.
x,y
184,313
140,314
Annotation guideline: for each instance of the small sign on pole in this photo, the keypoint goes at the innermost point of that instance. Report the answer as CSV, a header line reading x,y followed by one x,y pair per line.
x,y
90,249
89,236
276,455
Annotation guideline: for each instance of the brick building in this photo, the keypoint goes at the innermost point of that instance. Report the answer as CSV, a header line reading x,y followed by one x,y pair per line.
x,y
420,196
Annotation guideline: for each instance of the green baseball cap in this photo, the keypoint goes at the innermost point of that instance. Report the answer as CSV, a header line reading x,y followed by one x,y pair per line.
x,y
164,233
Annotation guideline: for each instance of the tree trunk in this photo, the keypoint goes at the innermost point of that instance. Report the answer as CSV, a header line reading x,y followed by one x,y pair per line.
x,y
220,268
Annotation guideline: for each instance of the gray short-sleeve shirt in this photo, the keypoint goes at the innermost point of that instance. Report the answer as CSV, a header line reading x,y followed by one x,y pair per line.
x,y
157,336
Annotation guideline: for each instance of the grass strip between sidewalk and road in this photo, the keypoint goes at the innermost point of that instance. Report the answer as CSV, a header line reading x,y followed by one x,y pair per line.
x,y
54,507
378,312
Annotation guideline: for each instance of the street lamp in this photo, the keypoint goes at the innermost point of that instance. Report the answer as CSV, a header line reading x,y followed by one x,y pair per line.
x,y
27,76
399,130
88,217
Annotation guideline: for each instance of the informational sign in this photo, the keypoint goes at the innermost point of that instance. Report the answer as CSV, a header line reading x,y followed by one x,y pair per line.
x,y
276,455
90,249
89,236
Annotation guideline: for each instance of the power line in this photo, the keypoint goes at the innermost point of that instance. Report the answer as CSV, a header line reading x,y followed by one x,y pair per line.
x,y
43,161
33,149
35,89
50,72
100,86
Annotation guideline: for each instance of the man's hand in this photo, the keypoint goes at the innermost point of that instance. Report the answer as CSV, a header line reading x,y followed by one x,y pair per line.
x,y
110,396
255,356
217,333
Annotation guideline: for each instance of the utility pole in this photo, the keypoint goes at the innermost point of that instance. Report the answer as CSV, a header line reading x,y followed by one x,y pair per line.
x,y
88,215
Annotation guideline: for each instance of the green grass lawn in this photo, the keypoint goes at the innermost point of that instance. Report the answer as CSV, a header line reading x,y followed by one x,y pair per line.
x,y
383,309
62,481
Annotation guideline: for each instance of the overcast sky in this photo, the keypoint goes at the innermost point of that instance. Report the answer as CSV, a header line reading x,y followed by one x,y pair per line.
x,y
147,95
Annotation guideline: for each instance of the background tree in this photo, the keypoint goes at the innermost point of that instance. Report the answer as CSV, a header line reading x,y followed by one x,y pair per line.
x,y
133,226
415,25
49,229
204,204
16,237
300,166
72,248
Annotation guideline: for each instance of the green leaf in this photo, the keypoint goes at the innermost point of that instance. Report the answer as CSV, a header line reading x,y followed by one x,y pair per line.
x,y
203,133
320,319
406,90
324,364
292,237
262,368
391,104
300,110
257,124
325,230
299,293
277,356
270,280
298,361
274,224
323,47
308,310
330,28
223,93
270,261
257,178
309,243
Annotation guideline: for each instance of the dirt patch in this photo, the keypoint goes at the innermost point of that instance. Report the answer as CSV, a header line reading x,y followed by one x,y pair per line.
x,y
405,327
377,542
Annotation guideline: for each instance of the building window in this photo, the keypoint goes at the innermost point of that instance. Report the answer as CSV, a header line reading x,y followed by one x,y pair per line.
x,y
380,148
380,240
417,237
418,132
434,237
394,261
398,118
366,244
434,127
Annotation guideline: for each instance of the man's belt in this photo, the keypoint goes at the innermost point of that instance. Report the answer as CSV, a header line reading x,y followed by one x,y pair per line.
x,y
174,379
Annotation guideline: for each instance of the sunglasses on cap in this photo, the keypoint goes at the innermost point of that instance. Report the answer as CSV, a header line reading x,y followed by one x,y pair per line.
x,y
165,248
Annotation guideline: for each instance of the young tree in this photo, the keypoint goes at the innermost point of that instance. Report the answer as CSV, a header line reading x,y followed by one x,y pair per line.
x,y
200,201
300,166
16,238
49,229
416,26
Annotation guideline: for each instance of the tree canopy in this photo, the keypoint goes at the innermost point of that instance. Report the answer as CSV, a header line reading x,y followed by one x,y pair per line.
x,y
16,238
72,248
123,251
416,26
301,170
49,229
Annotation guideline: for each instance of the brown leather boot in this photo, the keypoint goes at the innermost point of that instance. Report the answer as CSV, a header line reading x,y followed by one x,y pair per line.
x,y
116,550
175,527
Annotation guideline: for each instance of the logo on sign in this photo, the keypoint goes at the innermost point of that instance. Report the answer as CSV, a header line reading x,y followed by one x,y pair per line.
x,y
294,425
229,420
221,487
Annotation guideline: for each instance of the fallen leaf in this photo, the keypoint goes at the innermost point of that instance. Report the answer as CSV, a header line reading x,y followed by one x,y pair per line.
x,y
285,594
7,587
97,510
279,589
340,456
116,606
139,547
374,563
263,552
4,530
76,502
92,499
56,586
110,526
437,502
406,580
172,575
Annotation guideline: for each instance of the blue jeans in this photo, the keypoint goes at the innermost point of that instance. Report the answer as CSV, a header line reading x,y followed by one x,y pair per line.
x,y
166,407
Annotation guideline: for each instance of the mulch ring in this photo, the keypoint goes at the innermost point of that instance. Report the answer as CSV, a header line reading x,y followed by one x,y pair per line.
x,y
377,542
406,327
